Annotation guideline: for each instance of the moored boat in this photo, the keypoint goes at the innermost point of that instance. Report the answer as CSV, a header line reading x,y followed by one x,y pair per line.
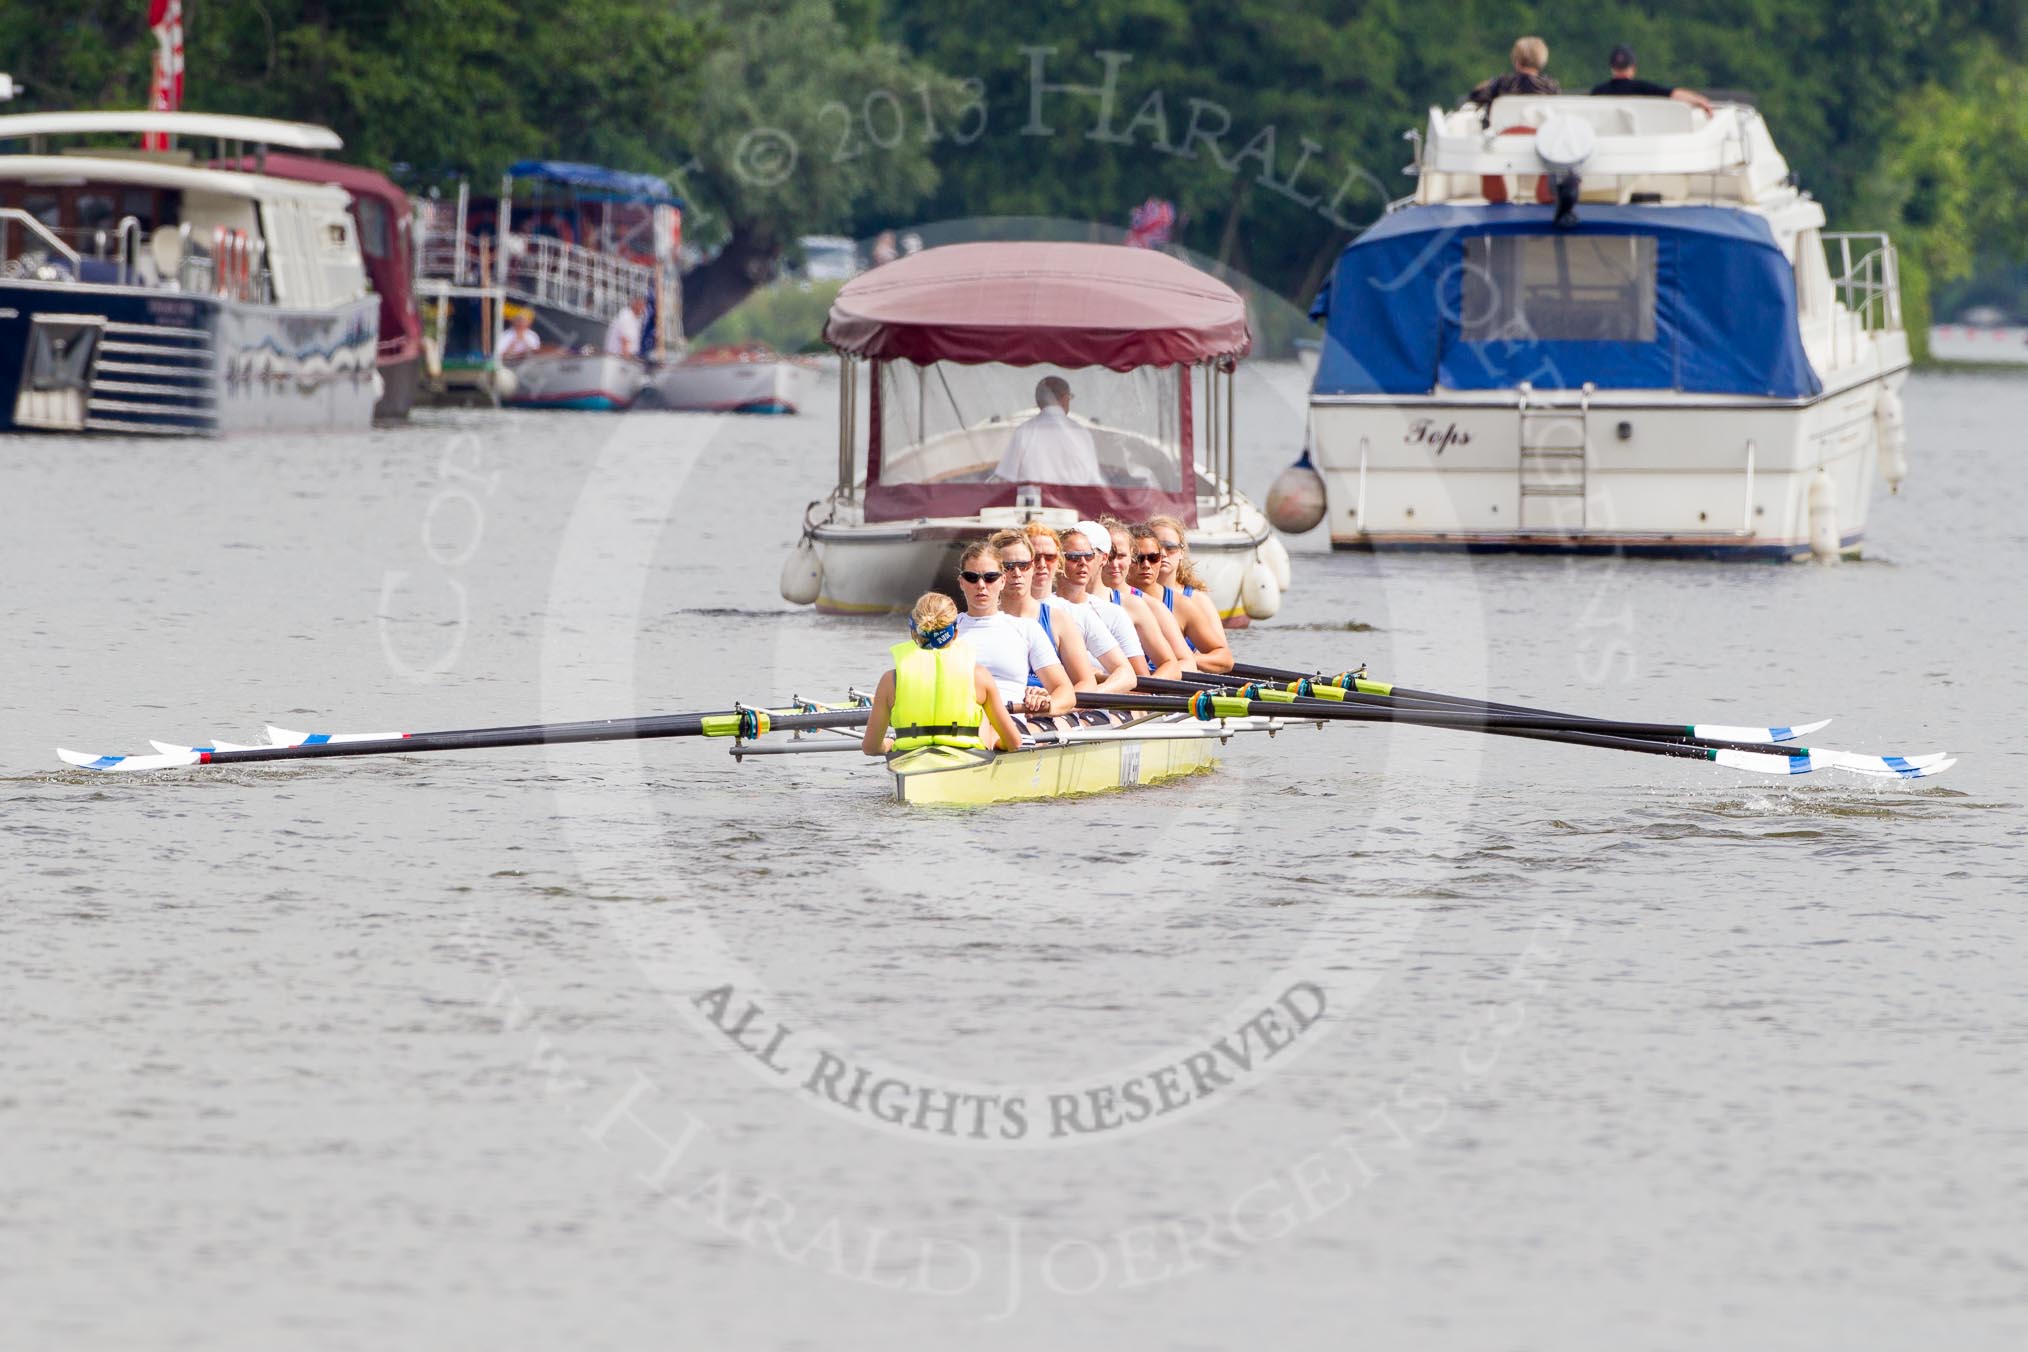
x,y
575,244
145,295
1608,324
382,218
741,378
953,340
593,381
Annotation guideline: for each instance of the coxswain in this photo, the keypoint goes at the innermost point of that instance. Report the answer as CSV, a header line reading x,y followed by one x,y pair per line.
x,y
1091,652
1011,647
1183,591
936,694
1205,643
1156,623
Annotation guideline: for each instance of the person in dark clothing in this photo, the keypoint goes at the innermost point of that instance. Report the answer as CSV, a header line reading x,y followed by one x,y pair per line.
x,y
1623,82
1529,56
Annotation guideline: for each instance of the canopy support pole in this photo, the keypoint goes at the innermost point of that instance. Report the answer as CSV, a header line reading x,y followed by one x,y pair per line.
x,y
848,417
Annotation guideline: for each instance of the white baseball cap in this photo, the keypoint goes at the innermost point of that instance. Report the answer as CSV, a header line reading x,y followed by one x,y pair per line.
x,y
1097,536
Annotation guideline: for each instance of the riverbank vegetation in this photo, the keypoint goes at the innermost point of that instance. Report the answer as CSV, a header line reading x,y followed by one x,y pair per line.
x,y
1274,128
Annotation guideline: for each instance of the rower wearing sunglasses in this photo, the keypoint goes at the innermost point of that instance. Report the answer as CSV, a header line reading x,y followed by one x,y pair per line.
x,y
937,694
1110,661
1157,625
1091,654
1011,647
1184,594
1086,546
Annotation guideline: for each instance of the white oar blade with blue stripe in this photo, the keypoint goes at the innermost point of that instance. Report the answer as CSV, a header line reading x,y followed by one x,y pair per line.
x,y
88,760
1719,732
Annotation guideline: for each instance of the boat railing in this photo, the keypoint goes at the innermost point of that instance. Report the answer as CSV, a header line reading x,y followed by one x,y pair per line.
x,y
542,271
52,238
1866,277
554,274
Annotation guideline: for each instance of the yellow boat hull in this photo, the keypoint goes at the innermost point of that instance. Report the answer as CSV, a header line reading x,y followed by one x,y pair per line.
x,y
963,778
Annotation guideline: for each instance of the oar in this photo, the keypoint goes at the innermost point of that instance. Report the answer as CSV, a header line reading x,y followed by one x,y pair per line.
x,y
1779,760
1336,687
1302,692
742,723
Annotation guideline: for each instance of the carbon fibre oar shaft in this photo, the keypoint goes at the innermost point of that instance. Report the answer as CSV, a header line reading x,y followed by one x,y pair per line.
x,y
756,722
1454,717
1206,704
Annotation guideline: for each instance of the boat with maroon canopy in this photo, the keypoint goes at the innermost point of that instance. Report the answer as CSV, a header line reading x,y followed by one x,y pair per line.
x,y
954,341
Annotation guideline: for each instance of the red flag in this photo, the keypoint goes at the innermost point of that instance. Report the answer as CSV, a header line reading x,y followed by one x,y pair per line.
x,y
165,92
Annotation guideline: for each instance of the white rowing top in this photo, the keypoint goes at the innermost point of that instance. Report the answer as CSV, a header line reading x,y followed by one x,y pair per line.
x,y
1098,640
1117,622
1009,647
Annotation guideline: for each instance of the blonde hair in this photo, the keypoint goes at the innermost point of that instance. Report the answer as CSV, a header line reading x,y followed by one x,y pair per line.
x,y
975,549
1001,539
1036,530
1530,53
1186,567
933,611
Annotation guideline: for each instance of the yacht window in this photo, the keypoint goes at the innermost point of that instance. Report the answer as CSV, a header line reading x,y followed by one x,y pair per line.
x,y
372,225
1559,288
43,207
95,211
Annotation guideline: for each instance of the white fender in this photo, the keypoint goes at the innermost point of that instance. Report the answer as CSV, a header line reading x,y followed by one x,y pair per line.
x,y
505,382
1891,429
1259,593
1276,555
1823,516
802,574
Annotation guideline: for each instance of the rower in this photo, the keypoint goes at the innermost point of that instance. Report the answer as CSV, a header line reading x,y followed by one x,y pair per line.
x,y
1183,591
1085,548
1009,646
1157,624
937,694
1090,651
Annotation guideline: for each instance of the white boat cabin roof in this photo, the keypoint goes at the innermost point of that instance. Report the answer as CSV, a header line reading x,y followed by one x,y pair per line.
x,y
1644,150
58,171
259,131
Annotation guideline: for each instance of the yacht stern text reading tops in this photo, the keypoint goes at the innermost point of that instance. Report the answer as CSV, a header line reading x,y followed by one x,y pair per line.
x,y
955,341
1608,324
146,292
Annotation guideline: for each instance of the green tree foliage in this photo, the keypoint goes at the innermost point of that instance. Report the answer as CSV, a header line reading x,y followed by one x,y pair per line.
x,y
798,124
1350,77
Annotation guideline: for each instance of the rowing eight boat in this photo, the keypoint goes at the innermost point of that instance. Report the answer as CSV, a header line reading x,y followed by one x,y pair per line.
x,y
1067,759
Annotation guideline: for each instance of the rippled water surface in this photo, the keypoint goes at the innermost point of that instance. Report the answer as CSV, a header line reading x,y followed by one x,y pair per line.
x,y
631,1045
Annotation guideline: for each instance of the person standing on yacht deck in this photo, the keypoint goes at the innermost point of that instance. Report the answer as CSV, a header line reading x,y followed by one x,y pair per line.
x,y
1013,649
623,334
1529,56
1621,63
1049,448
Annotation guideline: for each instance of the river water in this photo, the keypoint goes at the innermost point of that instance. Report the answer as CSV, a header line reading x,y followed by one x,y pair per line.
x,y
1372,1038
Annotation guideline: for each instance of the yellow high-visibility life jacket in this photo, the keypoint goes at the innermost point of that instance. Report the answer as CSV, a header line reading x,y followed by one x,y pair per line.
x,y
933,697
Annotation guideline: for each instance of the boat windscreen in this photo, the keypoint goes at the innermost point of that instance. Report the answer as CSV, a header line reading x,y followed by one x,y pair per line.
x,y
947,423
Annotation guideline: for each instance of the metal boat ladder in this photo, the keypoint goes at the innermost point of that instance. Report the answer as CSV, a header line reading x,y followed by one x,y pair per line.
x,y
1555,442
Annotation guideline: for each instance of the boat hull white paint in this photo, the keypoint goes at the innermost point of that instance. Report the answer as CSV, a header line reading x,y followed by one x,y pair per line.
x,y
778,386
594,381
1693,475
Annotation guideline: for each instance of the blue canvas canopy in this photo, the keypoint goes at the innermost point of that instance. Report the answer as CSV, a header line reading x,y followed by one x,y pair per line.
x,y
590,180
1638,297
